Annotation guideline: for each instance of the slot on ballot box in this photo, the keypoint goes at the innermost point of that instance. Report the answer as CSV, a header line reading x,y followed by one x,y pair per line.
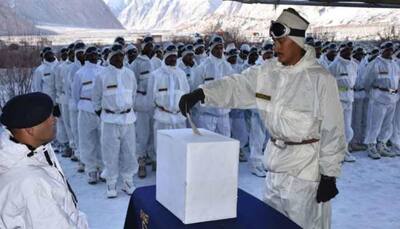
x,y
197,175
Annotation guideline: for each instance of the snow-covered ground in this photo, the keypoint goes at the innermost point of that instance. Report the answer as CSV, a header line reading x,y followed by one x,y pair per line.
x,y
369,195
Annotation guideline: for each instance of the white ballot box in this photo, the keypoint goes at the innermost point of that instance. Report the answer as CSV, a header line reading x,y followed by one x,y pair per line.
x,y
197,176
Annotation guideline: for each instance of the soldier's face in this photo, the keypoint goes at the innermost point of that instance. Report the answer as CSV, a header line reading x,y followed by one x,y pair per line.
x,y
287,50
171,60
232,59
268,55
49,57
45,132
199,51
218,51
117,60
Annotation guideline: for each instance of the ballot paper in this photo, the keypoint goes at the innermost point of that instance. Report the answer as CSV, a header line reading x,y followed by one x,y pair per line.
x,y
192,125
197,175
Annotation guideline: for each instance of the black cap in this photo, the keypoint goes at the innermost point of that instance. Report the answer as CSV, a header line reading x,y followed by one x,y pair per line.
x,y
25,111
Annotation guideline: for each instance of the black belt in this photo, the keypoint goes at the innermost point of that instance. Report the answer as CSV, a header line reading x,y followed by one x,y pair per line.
x,y
391,91
85,98
361,89
283,144
165,110
141,92
113,112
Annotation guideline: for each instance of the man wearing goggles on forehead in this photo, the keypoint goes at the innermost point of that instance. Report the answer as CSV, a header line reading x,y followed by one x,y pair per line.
x,y
298,101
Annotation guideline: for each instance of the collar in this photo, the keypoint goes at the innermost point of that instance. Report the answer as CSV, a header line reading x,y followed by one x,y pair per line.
x,y
306,61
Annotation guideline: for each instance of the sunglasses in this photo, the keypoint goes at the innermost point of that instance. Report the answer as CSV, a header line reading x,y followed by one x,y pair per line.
x,y
279,30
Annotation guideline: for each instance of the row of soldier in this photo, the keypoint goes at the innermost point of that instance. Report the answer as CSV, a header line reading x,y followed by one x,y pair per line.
x,y
114,100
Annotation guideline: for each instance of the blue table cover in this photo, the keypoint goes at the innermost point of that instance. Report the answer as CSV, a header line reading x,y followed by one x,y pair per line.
x,y
144,212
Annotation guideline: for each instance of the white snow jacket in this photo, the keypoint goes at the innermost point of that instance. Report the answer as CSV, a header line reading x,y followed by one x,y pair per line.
x,y
142,66
189,72
114,93
212,69
44,79
167,85
345,73
73,68
382,74
33,193
83,86
296,103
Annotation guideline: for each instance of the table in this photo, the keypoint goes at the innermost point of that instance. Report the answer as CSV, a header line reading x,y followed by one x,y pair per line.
x,y
144,212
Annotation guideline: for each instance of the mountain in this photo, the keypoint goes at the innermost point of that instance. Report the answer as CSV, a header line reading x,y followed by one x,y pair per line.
x,y
11,24
200,15
117,6
66,13
165,14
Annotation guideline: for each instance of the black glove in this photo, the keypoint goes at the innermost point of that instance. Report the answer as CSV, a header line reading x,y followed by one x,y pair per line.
x,y
326,189
98,112
56,111
189,100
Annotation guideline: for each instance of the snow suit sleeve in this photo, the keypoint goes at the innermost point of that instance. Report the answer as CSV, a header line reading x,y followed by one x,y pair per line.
x,y
237,91
332,141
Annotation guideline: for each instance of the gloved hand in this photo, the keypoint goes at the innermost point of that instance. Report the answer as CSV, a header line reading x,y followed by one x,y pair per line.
x,y
189,100
56,111
98,112
326,189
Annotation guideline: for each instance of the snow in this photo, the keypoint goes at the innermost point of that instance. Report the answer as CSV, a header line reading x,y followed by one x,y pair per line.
x,y
369,194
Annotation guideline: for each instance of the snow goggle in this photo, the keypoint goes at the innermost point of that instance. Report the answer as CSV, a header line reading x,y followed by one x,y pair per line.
x,y
374,52
170,48
132,51
157,47
232,52
64,50
268,47
388,45
188,48
200,41
44,50
117,48
279,30
79,45
318,44
91,50
245,52
332,47
217,40
148,39
120,40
